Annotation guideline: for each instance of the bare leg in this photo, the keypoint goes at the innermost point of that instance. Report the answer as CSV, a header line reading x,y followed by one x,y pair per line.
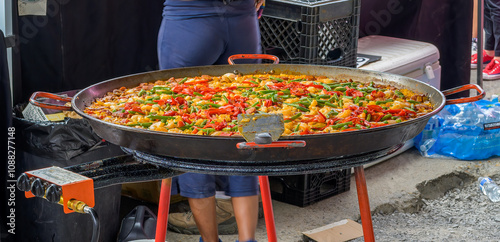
x,y
204,214
246,212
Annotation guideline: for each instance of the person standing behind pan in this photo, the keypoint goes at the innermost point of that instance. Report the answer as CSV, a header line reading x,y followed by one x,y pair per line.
x,y
207,32
491,53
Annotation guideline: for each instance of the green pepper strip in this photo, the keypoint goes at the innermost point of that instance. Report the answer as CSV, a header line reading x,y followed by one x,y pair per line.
x,y
276,79
331,113
334,85
183,80
208,130
368,117
156,88
328,88
255,104
415,102
153,98
134,112
341,125
400,94
141,92
297,107
296,116
331,104
296,128
160,117
274,98
164,92
384,102
387,116
340,89
225,98
198,94
213,105
187,126
254,82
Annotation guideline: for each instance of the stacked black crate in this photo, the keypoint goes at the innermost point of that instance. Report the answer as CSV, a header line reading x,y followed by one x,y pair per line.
x,y
311,32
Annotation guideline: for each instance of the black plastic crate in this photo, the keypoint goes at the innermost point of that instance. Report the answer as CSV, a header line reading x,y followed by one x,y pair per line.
x,y
303,190
311,32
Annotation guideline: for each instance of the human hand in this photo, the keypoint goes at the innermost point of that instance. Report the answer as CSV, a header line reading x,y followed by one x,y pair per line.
x,y
259,7
258,4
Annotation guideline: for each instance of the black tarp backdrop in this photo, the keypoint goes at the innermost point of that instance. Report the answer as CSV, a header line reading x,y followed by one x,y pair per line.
x,y
447,24
6,125
80,43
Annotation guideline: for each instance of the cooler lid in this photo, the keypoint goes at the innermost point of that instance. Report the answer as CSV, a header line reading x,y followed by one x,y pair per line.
x,y
399,56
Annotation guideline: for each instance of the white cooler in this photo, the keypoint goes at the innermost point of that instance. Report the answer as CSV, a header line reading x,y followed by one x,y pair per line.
x,y
410,58
415,59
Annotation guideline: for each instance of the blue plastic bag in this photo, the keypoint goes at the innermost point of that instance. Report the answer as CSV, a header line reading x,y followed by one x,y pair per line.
x,y
469,131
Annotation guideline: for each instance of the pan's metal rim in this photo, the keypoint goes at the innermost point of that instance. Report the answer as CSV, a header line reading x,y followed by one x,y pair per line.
x,y
293,137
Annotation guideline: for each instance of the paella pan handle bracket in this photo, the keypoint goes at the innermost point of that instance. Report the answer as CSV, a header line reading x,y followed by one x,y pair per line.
x,y
263,131
36,95
481,94
264,140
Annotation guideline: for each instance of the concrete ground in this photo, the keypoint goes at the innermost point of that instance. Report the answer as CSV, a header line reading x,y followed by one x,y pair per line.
x,y
398,183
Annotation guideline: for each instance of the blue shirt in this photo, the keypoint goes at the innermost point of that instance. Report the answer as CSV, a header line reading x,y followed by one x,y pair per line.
x,y
188,9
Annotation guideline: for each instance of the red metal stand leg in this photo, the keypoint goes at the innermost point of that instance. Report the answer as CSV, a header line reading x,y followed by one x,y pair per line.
x,y
268,208
163,207
364,204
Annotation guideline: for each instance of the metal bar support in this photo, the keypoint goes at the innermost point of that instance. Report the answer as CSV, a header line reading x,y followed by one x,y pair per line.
x,y
480,26
163,207
364,204
268,208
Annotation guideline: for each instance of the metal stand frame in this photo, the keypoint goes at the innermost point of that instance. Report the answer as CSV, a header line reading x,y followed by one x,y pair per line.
x,y
480,25
364,207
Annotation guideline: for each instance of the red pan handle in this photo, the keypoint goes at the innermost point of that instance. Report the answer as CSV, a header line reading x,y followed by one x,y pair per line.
x,y
480,96
36,95
253,56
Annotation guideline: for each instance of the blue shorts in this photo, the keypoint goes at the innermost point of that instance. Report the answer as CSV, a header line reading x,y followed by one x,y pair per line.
x,y
194,185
